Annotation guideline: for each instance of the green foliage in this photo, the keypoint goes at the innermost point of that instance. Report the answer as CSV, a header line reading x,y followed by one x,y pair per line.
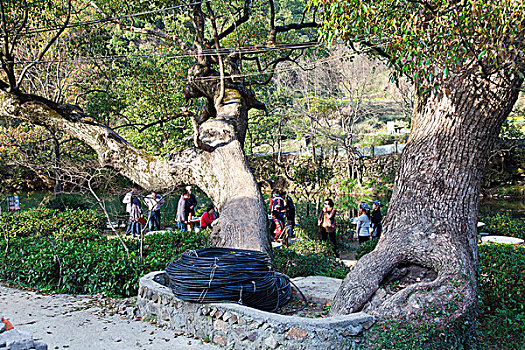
x,y
502,292
430,40
308,258
44,222
398,335
85,267
505,225
365,248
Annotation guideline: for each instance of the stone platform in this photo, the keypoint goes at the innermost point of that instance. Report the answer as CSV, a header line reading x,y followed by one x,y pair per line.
x,y
241,327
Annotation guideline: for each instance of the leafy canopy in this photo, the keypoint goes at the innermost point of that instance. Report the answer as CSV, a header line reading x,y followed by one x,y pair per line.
x,y
432,38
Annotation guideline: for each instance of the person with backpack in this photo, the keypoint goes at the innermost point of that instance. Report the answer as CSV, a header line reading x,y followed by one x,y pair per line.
x,y
277,204
153,201
127,200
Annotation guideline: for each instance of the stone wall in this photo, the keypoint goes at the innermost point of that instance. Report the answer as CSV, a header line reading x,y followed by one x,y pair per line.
x,y
240,327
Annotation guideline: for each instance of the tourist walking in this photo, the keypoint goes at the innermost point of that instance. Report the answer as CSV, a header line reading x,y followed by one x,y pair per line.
x,y
183,211
153,201
363,223
326,223
375,220
136,216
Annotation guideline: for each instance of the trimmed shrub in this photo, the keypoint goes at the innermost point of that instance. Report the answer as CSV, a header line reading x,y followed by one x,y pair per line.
x,y
505,225
365,248
68,224
86,267
295,264
502,295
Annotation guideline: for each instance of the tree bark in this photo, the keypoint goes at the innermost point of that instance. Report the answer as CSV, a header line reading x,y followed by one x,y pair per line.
x,y
223,173
429,242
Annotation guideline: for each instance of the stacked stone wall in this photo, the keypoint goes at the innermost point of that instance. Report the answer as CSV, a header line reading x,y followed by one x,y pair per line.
x,y
240,327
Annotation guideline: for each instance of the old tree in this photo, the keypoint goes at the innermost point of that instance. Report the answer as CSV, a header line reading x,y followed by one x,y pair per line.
x,y
224,41
464,57
466,60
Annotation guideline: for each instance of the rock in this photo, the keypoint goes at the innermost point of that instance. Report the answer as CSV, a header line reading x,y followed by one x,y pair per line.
x,y
271,342
2,327
17,340
40,346
219,339
220,325
297,334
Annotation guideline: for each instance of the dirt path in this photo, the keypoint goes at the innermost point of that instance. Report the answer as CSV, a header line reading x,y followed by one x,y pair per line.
x,y
82,322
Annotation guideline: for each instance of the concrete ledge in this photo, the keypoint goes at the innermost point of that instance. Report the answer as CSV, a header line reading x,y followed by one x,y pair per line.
x,y
241,327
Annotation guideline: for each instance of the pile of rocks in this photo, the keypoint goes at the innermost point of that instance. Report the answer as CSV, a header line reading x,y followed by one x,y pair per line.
x,y
13,339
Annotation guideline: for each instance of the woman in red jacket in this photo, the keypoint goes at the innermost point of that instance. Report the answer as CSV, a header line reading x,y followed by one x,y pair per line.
x,y
207,218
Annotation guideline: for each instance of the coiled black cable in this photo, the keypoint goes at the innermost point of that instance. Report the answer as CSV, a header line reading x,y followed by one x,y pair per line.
x,y
213,275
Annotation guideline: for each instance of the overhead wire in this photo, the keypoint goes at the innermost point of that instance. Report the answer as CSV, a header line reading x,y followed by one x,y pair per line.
x,y
180,54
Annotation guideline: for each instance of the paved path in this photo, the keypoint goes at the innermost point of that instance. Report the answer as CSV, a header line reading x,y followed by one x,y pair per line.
x,y
82,322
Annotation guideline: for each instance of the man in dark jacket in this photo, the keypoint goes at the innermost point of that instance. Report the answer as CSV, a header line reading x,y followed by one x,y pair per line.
x,y
183,211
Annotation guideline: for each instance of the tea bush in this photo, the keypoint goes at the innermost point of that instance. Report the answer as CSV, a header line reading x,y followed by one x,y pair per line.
x,y
84,267
295,264
502,295
505,225
68,224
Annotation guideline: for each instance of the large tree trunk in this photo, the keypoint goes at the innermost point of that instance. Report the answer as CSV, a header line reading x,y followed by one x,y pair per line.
x,y
429,243
222,171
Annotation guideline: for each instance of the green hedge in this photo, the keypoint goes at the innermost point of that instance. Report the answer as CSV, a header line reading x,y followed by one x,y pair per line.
x,y
505,225
84,267
502,295
68,224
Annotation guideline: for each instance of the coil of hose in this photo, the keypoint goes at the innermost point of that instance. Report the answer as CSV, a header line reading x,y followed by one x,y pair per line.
x,y
213,275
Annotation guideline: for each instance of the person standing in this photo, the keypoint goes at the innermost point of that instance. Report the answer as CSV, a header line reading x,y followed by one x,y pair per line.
x,y
135,214
127,200
154,201
326,223
289,212
277,203
183,211
276,226
192,205
363,223
375,220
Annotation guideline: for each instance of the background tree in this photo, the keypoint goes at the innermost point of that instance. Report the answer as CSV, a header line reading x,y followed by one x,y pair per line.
x,y
221,43
466,59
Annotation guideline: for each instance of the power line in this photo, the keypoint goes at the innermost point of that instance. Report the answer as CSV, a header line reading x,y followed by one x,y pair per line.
x,y
181,54
107,19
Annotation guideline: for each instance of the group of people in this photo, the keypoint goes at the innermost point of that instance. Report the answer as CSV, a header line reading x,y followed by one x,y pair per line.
x,y
186,218
282,215
368,223
136,220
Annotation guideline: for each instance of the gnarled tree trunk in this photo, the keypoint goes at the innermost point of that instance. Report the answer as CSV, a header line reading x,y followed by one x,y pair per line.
x,y
221,171
429,242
